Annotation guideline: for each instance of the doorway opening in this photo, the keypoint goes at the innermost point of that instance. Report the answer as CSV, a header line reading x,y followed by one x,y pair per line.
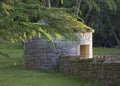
x,y
84,51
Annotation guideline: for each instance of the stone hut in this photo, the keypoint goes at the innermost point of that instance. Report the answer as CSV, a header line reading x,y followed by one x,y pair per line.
x,y
41,54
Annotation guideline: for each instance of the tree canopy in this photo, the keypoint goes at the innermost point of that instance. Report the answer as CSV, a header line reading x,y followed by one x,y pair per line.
x,y
19,19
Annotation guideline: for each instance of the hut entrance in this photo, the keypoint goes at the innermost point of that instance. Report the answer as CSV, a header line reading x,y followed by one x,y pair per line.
x,y
84,51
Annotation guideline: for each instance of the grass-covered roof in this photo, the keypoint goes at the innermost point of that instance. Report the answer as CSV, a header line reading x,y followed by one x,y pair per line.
x,y
58,18
18,20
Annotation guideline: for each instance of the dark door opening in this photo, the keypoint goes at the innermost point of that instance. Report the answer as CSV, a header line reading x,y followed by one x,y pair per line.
x,y
84,51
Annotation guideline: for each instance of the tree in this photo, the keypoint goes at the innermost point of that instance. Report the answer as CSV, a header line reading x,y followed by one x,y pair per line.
x,y
47,3
18,20
105,23
17,14
101,15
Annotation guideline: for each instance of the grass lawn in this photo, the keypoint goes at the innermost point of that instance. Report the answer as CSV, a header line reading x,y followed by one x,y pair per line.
x,y
107,51
13,73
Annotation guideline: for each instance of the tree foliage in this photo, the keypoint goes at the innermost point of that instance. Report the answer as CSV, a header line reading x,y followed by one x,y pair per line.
x,y
105,23
103,16
18,20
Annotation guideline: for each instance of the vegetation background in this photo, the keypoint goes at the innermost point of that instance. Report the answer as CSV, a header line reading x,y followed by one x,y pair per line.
x,y
18,19
18,22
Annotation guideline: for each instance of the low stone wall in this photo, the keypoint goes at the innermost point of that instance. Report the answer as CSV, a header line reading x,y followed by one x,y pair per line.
x,y
41,54
91,70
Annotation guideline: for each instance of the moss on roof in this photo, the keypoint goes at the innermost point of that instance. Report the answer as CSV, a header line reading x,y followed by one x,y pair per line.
x,y
60,18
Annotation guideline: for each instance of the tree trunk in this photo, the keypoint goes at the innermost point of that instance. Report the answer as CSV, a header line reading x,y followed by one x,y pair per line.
x,y
48,3
113,32
57,3
44,2
115,35
87,16
77,7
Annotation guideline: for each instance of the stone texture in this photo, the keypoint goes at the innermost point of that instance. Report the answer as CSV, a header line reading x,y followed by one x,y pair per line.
x,y
89,70
41,54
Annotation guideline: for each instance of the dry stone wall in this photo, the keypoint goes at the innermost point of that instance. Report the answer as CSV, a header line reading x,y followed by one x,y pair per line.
x,y
41,54
91,70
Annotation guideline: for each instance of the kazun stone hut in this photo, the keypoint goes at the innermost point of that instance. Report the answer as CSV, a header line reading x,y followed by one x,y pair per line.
x,y
40,54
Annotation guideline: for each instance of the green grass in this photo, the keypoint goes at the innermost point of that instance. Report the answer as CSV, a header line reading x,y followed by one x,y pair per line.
x,y
13,73
107,51
7,44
